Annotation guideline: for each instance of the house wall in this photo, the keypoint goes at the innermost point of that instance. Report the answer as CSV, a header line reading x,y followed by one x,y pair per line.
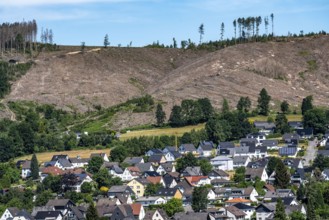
x,y
126,176
26,173
178,195
253,195
262,215
137,187
223,165
6,215
157,216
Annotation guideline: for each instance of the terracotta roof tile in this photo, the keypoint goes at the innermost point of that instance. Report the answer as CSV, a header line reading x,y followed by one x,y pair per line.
x,y
136,208
238,200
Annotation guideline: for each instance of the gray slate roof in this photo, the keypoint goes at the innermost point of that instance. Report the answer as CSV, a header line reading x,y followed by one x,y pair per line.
x,y
240,159
188,147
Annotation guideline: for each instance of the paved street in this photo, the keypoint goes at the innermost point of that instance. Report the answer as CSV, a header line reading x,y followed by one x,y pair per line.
x,y
310,153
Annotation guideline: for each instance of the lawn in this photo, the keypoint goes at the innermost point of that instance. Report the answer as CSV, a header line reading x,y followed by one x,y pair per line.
x,y
46,156
290,117
161,131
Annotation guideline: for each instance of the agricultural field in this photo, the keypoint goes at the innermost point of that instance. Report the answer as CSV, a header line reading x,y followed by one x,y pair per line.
x,y
290,117
46,156
161,131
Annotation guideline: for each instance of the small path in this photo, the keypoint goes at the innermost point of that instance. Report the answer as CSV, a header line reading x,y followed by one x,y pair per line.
x,y
12,114
310,153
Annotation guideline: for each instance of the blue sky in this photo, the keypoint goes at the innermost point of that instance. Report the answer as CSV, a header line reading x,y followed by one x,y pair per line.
x,y
146,21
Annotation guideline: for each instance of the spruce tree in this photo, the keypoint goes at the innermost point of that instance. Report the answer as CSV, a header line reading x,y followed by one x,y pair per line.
x,y
310,213
280,213
307,104
282,176
91,213
34,167
106,41
284,107
225,106
281,124
263,102
160,115
176,117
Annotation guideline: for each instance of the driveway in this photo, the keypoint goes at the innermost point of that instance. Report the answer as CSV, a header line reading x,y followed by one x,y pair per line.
x,y
310,153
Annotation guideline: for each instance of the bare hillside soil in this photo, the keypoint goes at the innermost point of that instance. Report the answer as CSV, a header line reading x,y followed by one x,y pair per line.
x,y
78,81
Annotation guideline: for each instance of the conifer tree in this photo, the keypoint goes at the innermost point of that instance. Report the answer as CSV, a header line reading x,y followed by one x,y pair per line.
x,y
307,104
263,102
34,167
282,176
91,213
106,41
284,107
225,106
222,26
310,213
160,115
201,32
280,213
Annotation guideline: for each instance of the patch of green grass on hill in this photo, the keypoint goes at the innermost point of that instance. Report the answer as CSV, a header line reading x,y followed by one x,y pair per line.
x,y
290,117
161,131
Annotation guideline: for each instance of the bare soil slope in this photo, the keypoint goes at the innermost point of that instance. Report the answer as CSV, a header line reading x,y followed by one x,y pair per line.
x,y
71,80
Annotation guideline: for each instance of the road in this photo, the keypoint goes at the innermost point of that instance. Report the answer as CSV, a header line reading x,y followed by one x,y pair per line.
x,y
310,153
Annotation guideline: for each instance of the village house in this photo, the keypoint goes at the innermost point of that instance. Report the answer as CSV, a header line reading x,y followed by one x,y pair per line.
x,y
151,200
138,185
206,148
101,155
187,148
26,169
222,163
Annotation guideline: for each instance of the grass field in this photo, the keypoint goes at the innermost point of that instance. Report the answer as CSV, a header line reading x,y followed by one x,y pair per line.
x,y
46,156
161,131
264,118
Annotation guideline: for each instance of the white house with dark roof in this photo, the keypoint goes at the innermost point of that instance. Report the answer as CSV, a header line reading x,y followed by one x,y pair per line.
x,y
152,152
222,163
260,137
218,174
151,200
240,161
206,148
270,144
79,162
64,164
264,126
9,213
252,173
101,155
187,148
26,169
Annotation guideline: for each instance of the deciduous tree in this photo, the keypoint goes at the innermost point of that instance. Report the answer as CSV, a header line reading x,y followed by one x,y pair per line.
x,y
173,206
199,198
95,164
